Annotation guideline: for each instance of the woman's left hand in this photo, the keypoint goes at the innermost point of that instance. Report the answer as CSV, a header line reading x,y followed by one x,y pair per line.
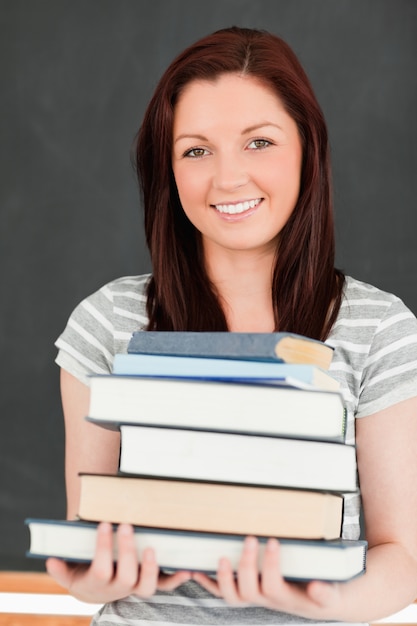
x,y
268,588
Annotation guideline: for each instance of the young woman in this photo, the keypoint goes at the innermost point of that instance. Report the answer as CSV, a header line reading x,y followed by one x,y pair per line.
x,y
233,162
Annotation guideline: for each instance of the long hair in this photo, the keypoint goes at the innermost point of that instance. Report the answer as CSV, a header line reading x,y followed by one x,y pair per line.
x,y
306,288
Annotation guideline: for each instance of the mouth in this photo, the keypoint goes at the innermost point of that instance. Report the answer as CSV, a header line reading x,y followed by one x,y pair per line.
x,y
237,207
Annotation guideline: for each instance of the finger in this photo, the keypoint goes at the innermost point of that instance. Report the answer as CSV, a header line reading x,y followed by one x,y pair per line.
x,y
227,584
168,583
127,567
60,571
148,579
102,566
208,583
278,592
248,571
323,594
68,576
273,584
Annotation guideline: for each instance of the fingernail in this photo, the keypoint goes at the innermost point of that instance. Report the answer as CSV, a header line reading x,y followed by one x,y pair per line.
x,y
148,555
105,527
125,529
251,543
272,545
223,564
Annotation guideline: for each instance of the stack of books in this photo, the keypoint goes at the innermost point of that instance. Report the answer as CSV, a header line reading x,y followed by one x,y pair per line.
x,y
223,435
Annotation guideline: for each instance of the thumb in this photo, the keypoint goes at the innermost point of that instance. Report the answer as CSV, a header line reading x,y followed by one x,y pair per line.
x,y
323,594
59,571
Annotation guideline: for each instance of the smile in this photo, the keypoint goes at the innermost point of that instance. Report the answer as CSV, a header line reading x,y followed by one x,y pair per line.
x,y
238,207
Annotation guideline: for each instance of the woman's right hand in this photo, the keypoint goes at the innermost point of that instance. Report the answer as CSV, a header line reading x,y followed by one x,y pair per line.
x,y
103,581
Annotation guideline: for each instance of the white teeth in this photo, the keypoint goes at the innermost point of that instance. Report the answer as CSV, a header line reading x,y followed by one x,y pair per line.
x,y
240,207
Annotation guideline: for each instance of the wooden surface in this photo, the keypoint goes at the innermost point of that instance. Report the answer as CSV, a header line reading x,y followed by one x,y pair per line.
x,y
21,619
35,583
28,582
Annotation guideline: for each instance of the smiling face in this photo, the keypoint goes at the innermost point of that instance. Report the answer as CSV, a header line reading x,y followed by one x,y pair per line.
x,y
237,162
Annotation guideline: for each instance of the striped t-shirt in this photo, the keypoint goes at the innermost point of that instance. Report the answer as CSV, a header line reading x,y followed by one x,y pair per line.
x,y
375,360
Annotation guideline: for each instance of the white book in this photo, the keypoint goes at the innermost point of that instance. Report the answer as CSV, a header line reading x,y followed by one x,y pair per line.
x,y
252,407
302,560
237,458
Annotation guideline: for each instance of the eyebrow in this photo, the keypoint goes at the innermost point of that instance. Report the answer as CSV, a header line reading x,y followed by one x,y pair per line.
x,y
250,129
245,131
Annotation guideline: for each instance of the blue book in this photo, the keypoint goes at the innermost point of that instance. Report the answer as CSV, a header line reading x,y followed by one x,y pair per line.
x,y
278,346
296,375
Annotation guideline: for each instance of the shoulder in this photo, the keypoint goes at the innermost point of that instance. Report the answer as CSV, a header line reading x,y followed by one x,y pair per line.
x,y
125,290
120,299
375,340
357,292
370,317
101,325
366,306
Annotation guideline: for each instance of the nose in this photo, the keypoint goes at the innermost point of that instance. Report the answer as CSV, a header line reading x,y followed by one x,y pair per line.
x,y
230,173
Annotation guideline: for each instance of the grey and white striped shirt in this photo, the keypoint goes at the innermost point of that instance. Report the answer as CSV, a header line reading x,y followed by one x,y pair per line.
x,y
375,360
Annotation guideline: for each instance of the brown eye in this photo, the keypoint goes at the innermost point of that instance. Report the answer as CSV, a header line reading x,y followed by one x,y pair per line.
x,y
258,144
195,153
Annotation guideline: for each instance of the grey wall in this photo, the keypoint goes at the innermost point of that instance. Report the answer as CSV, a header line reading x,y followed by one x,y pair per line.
x,y
75,78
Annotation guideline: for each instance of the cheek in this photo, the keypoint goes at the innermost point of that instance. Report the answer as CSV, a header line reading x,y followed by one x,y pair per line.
x,y
191,189
190,195
287,177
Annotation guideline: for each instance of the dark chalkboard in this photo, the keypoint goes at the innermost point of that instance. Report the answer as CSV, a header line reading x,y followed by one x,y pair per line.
x,y
75,78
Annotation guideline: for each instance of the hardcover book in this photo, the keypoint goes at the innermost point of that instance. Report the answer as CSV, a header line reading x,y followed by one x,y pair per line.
x,y
301,560
278,346
239,458
251,407
210,507
295,375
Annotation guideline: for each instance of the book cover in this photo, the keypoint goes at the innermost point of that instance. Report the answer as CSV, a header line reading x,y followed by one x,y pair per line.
x,y
281,346
210,507
238,458
301,560
232,406
296,375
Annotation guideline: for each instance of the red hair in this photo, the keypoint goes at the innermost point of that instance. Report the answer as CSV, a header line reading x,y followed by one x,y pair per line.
x,y
306,287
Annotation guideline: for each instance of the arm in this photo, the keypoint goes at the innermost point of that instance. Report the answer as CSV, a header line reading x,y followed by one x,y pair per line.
x,y
387,464
89,448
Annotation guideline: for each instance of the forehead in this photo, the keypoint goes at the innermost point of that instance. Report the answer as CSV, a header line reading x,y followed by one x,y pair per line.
x,y
228,96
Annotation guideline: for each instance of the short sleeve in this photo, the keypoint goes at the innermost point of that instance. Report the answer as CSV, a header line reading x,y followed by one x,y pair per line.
x,y
390,369
86,345
101,326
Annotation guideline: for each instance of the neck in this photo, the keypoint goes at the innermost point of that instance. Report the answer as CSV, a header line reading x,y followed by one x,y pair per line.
x,y
243,282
